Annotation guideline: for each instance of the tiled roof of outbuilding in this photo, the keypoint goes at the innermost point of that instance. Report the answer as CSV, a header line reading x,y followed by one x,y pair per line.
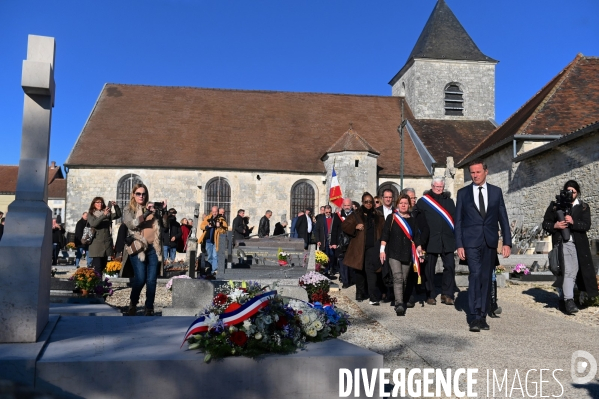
x,y
351,141
215,129
568,101
8,178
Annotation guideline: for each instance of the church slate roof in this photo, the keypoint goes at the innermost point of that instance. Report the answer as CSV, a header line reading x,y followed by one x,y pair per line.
x,y
215,129
351,141
568,101
444,38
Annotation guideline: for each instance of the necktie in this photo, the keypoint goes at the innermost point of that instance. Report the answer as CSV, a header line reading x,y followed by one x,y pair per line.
x,y
481,203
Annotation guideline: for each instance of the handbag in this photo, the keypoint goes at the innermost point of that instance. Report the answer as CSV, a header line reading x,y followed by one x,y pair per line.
x,y
88,235
134,248
553,257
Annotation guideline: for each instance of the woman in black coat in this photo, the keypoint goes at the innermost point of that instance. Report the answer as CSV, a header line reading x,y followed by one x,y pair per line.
x,y
576,264
397,247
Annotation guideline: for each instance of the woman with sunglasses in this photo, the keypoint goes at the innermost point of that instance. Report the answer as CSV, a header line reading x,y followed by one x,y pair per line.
x,y
145,229
100,217
399,242
569,231
365,227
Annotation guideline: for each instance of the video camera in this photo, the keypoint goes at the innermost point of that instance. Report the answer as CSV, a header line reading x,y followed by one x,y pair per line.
x,y
563,203
159,209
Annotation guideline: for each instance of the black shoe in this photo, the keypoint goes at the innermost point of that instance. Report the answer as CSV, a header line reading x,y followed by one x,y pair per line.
x,y
562,305
571,307
374,303
400,310
410,304
475,326
359,298
393,303
483,324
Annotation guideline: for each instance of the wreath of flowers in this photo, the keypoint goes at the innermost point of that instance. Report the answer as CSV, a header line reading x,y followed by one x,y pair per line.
x,y
282,325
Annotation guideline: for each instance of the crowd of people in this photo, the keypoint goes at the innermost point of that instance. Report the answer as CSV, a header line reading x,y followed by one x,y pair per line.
x,y
387,247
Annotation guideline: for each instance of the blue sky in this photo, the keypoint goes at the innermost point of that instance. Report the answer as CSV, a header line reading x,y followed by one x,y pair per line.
x,y
352,47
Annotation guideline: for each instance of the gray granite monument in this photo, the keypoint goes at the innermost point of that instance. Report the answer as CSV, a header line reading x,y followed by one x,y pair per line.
x,y
26,247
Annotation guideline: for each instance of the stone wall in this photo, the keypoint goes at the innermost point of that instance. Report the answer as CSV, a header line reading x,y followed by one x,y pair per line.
x,y
530,185
425,83
180,188
353,179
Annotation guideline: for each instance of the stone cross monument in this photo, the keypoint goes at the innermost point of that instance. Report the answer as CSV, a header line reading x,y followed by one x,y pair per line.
x,y
26,247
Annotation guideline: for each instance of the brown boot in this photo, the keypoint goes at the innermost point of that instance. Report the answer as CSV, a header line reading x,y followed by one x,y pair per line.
x,y
149,312
132,311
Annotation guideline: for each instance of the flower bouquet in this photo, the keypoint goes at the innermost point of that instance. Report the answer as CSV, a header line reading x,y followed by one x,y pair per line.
x,y
283,257
317,286
244,320
86,279
321,259
71,246
113,267
519,271
500,269
169,284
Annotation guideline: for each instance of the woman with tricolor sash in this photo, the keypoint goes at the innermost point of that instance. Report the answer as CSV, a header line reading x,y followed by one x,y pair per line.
x,y
400,243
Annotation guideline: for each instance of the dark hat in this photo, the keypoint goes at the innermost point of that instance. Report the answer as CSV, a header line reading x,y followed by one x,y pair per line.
x,y
173,211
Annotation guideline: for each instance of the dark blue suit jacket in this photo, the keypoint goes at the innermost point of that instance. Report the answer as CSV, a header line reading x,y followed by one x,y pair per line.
x,y
470,228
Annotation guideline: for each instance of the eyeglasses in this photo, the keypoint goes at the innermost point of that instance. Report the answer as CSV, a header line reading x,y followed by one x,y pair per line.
x,y
368,202
98,202
140,194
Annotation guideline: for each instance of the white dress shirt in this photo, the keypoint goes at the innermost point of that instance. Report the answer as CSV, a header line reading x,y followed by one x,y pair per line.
x,y
387,211
309,224
485,195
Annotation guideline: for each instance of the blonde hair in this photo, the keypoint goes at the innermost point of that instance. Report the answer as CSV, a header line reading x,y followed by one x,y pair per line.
x,y
132,202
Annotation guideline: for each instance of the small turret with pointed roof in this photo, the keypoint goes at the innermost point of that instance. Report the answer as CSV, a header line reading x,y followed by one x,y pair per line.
x,y
446,75
351,141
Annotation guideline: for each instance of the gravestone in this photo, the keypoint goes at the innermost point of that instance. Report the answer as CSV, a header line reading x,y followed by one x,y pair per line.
x,y
26,247
189,297
264,251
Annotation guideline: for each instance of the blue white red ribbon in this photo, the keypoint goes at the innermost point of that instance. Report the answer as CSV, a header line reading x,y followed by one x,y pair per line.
x,y
236,316
407,230
439,209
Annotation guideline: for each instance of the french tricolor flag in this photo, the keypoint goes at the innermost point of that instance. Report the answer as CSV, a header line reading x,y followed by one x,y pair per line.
x,y
335,195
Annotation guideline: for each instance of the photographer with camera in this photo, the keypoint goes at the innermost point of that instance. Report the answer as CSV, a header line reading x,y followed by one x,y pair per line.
x,y
144,245
171,236
213,225
100,217
568,219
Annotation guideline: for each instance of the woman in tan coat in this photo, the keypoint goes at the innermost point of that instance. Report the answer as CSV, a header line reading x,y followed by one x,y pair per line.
x,y
365,227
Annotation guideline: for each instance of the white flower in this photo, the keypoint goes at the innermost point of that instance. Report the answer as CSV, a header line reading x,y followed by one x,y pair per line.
x,y
236,294
312,316
232,329
247,324
211,320
317,325
304,318
311,332
258,336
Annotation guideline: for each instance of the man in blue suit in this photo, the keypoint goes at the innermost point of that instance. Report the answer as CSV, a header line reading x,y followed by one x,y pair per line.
x,y
479,210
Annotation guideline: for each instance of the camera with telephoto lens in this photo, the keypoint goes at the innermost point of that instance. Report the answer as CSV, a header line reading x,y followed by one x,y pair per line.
x,y
159,209
563,205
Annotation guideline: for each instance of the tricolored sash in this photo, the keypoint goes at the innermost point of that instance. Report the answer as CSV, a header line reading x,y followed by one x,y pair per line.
x,y
439,209
403,224
236,316
341,217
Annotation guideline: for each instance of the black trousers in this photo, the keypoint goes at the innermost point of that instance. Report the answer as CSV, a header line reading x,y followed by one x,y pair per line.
x,y
448,287
99,263
374,280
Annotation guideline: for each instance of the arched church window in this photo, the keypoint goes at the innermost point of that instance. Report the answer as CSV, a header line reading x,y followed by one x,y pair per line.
x,y
454,100
124,189
218,193
388,186
302,197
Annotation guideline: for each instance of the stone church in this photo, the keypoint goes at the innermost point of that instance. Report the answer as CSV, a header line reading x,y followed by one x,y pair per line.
x,y
259,150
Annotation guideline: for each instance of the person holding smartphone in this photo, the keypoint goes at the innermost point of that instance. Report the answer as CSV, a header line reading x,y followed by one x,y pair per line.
x,y
100,217
145,227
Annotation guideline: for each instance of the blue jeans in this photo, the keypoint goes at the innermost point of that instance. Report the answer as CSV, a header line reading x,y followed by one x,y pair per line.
x,y
78,256
145,272
212,255
169,253
55,252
